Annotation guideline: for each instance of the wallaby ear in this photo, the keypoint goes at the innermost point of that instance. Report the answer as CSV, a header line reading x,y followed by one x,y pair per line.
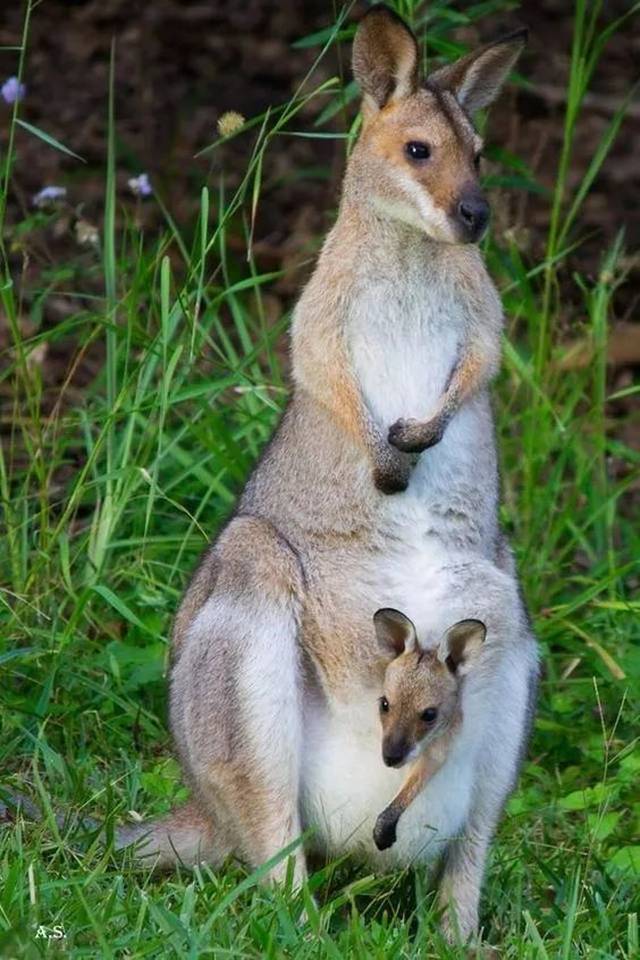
x,y
476,80
396,633
460,643
385,58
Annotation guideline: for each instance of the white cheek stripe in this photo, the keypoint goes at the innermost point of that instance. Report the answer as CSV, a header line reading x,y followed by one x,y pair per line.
x,y
418,209
434,217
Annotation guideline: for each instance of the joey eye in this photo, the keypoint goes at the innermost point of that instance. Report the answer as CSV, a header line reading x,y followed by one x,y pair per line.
x,y
429,715
383,703
477,159
417,150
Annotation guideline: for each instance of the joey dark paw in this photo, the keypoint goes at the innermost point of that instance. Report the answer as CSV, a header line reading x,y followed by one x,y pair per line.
x,y
414,436
384,832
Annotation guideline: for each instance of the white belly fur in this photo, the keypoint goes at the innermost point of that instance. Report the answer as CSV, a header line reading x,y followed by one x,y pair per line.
x,y
402,373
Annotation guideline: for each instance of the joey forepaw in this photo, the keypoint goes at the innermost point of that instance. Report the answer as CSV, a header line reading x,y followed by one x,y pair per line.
x,y
384,832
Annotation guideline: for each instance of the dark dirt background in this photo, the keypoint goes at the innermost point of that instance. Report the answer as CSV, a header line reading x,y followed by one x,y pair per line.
x,y
182,63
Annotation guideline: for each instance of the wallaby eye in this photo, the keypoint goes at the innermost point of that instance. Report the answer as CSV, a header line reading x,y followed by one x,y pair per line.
x,y
477,159
429,715
416,150
383,703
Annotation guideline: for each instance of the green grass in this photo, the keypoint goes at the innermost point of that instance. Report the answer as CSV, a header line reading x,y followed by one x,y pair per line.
x,y
108,499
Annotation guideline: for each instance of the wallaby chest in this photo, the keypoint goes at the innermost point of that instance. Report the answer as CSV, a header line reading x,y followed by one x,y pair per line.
x,y
405,339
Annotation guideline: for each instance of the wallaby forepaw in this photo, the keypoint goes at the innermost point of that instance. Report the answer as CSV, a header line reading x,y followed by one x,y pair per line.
x,y
414,436
432,432
402,435
391,481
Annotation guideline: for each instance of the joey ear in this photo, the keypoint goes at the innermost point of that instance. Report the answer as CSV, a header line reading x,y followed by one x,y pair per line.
x,y
476,80
396,633
385,58
460,643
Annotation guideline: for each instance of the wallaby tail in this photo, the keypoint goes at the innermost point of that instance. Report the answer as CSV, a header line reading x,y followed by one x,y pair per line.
x,y
185,836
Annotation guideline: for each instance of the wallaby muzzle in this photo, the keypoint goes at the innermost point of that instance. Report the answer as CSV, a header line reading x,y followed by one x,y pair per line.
x,y
394,750
472,215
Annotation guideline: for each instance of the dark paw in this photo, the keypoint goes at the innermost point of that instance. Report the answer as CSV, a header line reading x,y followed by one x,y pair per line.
x,y
390,481
402,435
384,832
432,433
412,436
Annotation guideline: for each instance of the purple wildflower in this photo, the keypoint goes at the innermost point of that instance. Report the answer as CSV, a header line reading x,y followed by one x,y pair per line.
x,y
12,90
49,195
140,186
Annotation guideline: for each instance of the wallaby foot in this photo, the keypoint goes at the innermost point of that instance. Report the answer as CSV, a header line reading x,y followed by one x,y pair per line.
x,y
415,436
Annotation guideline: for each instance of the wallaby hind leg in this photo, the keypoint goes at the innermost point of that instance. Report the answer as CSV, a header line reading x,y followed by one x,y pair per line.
x,y
236,704
504,742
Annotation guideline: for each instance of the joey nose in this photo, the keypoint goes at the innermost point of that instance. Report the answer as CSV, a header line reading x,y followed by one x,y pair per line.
x,y
473,216
394,752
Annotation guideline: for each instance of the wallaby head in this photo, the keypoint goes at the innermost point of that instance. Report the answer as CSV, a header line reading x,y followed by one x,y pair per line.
x,y
418,157
421,690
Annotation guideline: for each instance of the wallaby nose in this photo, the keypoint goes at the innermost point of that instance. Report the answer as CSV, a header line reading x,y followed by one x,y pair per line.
x,y
394,752
473,215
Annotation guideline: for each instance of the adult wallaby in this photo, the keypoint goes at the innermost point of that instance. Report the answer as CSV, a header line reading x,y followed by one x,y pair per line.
x,y
276,668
